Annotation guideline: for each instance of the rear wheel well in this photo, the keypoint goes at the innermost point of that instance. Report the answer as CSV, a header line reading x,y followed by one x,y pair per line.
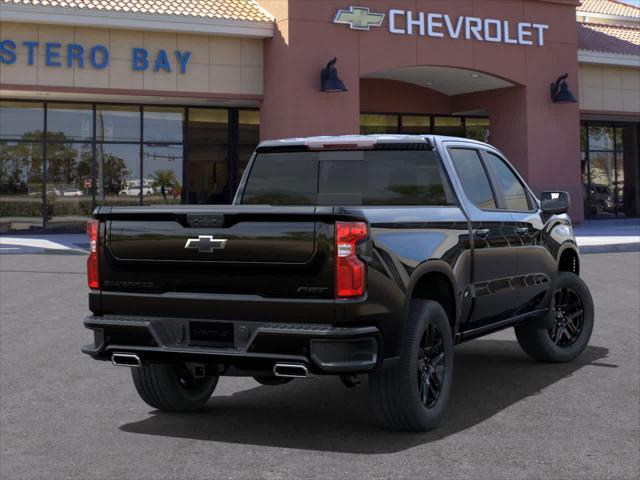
x,y
569,262
437,287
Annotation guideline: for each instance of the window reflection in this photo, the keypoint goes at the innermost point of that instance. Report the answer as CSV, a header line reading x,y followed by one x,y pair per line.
x,y
416,124
67,122
378,124
21,185
207,156
118,174
69,176
162,181
248,139
21,120
118,123
450,126
163,124
478,129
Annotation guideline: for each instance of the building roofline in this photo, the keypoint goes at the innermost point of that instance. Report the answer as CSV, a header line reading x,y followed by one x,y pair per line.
x,y
135,21
608,58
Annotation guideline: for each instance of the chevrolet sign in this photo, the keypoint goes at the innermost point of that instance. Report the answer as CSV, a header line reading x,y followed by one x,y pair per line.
x,y
359,18
441,25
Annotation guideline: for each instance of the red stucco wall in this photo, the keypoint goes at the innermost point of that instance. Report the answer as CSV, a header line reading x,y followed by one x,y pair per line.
x,y
540,137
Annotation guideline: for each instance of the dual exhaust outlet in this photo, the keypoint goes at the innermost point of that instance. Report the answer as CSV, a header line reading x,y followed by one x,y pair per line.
x,y
285,370
126,360
290,370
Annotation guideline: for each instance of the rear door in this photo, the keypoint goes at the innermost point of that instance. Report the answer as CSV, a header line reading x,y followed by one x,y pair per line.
x,y
494,237
536,265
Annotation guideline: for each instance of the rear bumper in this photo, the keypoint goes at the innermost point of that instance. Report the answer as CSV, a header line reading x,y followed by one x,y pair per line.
x,y
241,346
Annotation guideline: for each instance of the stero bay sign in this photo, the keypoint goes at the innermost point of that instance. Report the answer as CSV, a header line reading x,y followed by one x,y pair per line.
x,y
96,56
442,25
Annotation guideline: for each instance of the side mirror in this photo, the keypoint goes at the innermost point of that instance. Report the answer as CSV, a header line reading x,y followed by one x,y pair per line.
x,y
555,203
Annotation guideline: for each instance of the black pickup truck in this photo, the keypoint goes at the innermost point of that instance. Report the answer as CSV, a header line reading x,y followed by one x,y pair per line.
x,y
339,256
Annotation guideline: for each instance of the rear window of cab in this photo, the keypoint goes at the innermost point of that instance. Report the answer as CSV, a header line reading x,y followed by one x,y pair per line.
x,y
399,177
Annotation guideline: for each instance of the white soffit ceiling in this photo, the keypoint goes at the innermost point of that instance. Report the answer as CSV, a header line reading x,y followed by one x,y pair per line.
x,y
447,80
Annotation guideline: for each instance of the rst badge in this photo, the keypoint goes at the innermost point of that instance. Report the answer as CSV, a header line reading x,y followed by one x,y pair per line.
x,y
205,244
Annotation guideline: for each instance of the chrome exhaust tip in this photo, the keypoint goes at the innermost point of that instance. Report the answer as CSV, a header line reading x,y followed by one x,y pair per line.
x,y
126,360
290,370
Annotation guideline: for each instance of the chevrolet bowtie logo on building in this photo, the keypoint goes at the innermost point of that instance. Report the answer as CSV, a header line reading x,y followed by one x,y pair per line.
x,y
205,244
359,18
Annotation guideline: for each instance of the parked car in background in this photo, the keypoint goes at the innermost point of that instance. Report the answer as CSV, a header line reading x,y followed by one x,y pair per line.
x,y
72,192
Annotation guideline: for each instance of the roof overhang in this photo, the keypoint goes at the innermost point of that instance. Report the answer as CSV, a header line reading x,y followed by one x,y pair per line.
x,y
607,58
135,21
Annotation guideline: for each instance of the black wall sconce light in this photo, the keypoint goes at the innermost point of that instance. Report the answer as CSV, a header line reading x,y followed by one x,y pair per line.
x,y
329,80
560,92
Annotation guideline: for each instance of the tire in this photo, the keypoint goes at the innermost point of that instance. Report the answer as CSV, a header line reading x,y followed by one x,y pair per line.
x,y
272,380
574,323
171,387
398,390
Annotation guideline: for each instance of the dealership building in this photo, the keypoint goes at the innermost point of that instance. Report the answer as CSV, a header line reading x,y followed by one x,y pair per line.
x,y
129,102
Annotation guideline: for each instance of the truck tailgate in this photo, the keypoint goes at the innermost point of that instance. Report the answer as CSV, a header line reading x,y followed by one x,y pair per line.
x,y
278,252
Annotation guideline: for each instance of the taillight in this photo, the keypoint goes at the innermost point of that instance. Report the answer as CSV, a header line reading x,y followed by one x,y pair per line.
x,y
350,270
93,277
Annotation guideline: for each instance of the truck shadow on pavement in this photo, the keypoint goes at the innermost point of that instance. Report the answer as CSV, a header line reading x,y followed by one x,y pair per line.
x,y
321,414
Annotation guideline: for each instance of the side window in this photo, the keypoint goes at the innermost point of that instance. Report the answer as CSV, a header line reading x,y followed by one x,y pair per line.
x,y
473,177
510,188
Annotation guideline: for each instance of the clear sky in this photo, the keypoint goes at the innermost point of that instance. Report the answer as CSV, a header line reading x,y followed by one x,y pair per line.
x,y
635,3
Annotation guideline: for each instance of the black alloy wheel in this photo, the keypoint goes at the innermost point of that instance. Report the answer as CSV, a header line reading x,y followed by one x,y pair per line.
x,y
569,317
431,366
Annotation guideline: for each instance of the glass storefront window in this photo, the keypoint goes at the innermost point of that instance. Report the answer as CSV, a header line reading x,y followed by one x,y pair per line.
x,y
163,124
67,122
248,138
162,168
416,124
451,126
21,120
69,176
611,169
21,185
118,174
378,124
118,123
109,154
207,155
601,138
477,129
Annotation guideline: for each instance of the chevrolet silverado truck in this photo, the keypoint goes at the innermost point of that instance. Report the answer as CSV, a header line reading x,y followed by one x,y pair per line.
x,y
345,256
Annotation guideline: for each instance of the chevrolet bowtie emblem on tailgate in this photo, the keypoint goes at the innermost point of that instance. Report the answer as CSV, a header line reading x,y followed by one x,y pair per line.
x,y
359,18
206,243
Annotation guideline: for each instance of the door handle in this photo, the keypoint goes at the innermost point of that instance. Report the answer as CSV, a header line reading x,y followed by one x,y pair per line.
x,y
522,231
481,232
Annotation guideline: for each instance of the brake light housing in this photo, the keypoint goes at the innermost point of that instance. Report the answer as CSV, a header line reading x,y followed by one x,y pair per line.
x,y
93,272
350,270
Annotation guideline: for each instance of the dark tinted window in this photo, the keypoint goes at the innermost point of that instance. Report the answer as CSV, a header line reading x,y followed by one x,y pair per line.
x,y
348,178
473,177
510,188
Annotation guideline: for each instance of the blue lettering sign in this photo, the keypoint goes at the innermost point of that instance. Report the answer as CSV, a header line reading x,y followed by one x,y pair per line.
x,y
99,51
140,62
31,47
51,53
96,56
7,52
74,54
162,62
183,59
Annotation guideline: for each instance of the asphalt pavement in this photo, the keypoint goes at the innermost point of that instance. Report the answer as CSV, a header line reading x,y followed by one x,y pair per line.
x,y
65,416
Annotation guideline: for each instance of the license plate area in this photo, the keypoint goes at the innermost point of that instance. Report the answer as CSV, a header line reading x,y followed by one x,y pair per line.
x,y
211,334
